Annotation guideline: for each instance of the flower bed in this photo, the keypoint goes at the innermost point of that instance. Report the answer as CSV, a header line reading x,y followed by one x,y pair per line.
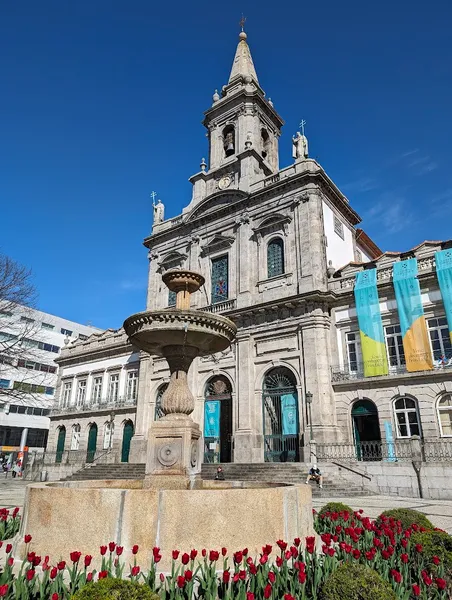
x,y
9,523
288,570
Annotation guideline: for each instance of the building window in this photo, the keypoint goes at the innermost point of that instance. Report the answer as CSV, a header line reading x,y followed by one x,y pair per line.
x,y
358,256
29,364
132,385
108,434
27,320
171,298
444,408
275,257
47,326
4,383
394,345
113,388
229,140
29,388
352,342
67,332
5,313
220,279
97,390
67,389
35,344
440,338
50,391
75,438
406,417
339,227
81,392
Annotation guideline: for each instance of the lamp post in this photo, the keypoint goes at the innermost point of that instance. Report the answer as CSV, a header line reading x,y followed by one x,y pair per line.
x,y
309,402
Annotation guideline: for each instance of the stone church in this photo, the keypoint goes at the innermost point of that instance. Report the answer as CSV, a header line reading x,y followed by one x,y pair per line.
x,y
279,249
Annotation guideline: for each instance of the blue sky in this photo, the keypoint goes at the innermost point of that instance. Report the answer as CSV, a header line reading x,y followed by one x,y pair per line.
x,y
102,102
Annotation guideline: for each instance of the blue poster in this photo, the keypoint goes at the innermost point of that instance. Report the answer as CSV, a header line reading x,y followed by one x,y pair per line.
x,y
212,419
443,261
390,442
289,414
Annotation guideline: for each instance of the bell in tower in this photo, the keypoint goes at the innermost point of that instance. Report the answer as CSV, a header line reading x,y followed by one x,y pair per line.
x,y
229,140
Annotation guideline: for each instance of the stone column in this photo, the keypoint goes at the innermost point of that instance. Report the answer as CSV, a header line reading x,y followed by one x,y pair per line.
x,y
313,256
315,335
143,418
246,446
152,301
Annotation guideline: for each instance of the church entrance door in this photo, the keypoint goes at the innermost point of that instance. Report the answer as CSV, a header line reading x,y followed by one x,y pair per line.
x,y
366,429
280,416
218,421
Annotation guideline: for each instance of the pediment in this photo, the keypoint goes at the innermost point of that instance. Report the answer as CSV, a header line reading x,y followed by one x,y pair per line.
x,y
217,242
273,223
217,202
172,260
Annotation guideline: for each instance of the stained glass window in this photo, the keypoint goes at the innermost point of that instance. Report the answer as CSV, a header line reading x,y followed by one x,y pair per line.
x,y
219,279
171,298
275,257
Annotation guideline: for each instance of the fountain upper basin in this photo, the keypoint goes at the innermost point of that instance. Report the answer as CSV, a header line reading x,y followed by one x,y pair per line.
x,y
154,330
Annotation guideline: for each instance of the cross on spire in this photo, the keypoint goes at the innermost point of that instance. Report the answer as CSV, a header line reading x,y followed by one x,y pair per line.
x,y
153,195
302,124
242,22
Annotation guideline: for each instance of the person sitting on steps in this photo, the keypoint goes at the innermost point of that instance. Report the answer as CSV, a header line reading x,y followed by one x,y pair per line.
x,y
316,475
219,474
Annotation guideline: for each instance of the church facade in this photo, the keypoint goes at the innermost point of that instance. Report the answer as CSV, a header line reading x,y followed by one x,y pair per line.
x,y
280,250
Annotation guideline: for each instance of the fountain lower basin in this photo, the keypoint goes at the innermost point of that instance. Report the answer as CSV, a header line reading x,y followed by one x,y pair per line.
x,y
83,515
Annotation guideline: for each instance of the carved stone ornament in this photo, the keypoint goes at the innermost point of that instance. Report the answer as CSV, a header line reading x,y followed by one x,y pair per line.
x,y
168,455
194,453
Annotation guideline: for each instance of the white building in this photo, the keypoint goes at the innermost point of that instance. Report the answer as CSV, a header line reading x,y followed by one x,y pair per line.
x,y
30,341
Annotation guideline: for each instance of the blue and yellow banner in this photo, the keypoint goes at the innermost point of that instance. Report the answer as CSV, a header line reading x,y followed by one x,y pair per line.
x,y
370,325
416,344
212,419
443,261
289,414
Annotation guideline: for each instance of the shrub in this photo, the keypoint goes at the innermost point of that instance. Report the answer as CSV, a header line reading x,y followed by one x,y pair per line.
x,y
353,581
115,589
435,543
408,517
335,507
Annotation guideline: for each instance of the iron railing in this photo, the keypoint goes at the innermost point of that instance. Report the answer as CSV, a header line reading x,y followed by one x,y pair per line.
x,y
342,373
366,451
90,406
437,450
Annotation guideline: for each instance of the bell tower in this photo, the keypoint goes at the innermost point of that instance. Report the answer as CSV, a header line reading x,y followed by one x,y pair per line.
x,y
243,129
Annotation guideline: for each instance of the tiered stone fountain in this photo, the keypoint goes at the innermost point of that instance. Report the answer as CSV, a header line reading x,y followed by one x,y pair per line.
x,y
173,507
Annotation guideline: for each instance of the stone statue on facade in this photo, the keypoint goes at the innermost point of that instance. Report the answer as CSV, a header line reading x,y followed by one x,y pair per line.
x,y
300,146
159,212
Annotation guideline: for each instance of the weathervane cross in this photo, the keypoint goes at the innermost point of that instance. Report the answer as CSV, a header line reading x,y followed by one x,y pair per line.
x,y
153,195
302,124
242,22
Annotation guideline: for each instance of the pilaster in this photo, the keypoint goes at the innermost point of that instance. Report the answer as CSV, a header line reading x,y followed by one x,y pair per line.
x,y
138,444
313,257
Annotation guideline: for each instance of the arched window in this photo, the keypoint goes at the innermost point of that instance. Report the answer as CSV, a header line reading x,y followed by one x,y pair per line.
x,y
406,417
109,429
75,438
444,408
229,140
158,402
275,257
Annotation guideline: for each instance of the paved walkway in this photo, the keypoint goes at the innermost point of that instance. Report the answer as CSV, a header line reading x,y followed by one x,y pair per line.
x,y
12,493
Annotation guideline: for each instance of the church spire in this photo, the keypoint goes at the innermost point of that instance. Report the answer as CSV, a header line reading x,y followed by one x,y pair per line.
x,y
243,66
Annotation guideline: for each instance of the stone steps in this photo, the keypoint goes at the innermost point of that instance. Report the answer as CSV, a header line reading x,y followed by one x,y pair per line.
x,y
109,471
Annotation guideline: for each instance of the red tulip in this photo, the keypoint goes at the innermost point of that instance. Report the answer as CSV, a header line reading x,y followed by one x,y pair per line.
x,y
88,559
156,554
282,544
416,590
263,559
238,557
268,591
214,555
175,554
267,549
4,590
271,577
135,549
301,576
135,570
16,511
188,575
10,561
396,576
119,550
441,583
30,574
36,561
279,562
55,596
162,577
193,554
75,556
224,551
331,551
418,548
288,597
252,568
404,542
112,546
356,553
31,556
204,552
61,565
53,572
8,548
180,581
103,575
89,577
27,538
436,560
249,596
245,551
226,576
103,550
185,559
297,542
404,557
